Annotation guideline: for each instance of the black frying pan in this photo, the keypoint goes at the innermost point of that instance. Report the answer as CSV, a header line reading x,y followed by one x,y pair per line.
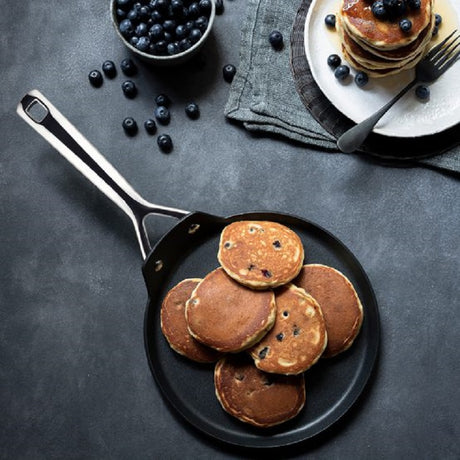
x,y
189,249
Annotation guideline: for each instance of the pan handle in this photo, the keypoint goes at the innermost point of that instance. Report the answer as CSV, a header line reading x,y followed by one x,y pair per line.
x,y
39,113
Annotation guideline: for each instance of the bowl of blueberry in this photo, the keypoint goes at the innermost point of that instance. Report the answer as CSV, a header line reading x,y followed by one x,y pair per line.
x,y
163,32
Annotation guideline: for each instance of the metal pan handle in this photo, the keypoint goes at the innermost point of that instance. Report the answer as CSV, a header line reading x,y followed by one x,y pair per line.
x,y
39,113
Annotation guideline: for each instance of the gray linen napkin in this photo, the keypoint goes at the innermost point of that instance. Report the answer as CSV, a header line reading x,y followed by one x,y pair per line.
x,y
263,95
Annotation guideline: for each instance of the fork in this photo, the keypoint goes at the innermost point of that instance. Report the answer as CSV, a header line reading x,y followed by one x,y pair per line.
x,y
430,68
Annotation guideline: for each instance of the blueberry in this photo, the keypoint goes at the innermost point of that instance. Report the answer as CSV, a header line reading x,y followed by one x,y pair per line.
x,y
219,7
202,23
162,6
193,10
141,29
330,20
169,25
195,35
128,67
435,31
133,15
192,110
162,99
95,78
414,4
129,89
395,7
437,19
229,72
342,72
162,114
422,92
181,31
133,40
109,69
130,126
165,143
144,12
263,352
378,10
177,7
150,126
121,14
156,17
143,44
160,48
276,39
185,44
405,25
361,79
126,28
333,61
173,48
205,6
156,32
123,3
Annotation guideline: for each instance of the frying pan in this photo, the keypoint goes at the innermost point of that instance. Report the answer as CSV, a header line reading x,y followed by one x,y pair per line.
x,y
189,249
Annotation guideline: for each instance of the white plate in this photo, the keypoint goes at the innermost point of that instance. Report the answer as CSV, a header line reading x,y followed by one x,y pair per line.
x,y
407,118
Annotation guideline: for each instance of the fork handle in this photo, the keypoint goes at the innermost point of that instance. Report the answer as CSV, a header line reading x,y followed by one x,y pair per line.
x,y
352,139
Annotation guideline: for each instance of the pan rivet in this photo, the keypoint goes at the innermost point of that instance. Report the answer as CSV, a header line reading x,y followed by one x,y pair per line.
x,y
158,265
193,228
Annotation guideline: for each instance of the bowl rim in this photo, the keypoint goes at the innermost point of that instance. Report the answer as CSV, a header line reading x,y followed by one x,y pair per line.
x,y
155,57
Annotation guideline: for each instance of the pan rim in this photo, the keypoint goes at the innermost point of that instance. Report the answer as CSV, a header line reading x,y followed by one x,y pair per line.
x,y
340,408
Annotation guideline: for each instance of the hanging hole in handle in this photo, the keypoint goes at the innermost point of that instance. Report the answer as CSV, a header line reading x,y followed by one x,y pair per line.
x,y
37,111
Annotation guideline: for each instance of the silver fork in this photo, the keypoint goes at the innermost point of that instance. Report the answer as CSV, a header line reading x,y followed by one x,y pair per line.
x,y
431,67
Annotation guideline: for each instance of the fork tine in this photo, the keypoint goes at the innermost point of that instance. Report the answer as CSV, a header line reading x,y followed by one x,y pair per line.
x,y
451,61
443,58
436,48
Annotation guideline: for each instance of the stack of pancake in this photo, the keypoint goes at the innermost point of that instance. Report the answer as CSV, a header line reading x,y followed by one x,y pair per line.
x,y
265,317
379,47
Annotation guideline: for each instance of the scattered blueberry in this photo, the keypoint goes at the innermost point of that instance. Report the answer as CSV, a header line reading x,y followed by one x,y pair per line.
x,y
280,337
405,25
109,69
150,126
128,67
276,39
435,31
219,6
333,61
130,126
192,110
162,99
162,114
422,92
164,141
95,78
229,72
361,79
378,10
342,72
437,19
330,20
129,89
414,4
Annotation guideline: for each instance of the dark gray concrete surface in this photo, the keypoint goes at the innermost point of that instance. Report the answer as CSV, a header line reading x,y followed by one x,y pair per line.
x,y
74,378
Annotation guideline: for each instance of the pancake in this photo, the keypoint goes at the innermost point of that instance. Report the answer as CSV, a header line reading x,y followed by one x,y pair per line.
x,y
340,304
260,254
254,397
228,316
383,34
298,337
174,326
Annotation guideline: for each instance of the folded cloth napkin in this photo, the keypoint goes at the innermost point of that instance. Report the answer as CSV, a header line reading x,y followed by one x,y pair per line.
x,y
263,95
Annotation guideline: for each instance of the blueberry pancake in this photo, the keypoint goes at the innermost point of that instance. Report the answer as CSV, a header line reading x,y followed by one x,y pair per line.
x,y
298,337
260,254
342,309
174,326
255,397
228,316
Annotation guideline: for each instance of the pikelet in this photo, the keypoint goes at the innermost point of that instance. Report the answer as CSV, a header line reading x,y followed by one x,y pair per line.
x,y
339,302
254,397
228,316
379,46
